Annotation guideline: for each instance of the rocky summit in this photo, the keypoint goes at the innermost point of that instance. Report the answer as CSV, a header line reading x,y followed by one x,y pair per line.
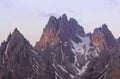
x,y
64,51
60,29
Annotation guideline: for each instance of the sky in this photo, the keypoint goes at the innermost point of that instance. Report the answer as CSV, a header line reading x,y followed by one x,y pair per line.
x,y
31,16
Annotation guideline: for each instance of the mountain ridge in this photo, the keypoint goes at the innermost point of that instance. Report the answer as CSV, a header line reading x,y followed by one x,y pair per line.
x,y
64,51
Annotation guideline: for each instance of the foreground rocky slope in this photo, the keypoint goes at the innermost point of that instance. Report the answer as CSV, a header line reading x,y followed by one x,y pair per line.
x,y
64,51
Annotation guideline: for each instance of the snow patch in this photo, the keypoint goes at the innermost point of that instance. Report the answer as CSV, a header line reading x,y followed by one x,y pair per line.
x,y
81,71
80,48
65,44
77,48
42,49
6,54
36,62
72,76
3,59
7,49
62,68
84,68
36,66
56,75
63,55
34,52
60,41
54,65
106,66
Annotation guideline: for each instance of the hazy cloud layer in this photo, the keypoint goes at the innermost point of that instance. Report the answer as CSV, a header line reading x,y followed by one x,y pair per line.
x,y
44,14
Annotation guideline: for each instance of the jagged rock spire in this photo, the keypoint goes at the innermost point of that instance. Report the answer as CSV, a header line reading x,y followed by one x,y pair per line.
x,y
60,29
15,57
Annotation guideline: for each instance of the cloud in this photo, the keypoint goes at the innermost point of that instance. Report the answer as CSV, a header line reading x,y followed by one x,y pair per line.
x,y
74,12
44,14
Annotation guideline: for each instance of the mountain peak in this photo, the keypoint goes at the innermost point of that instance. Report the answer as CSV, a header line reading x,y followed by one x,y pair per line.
x,y
64,16
51,19
103,38
16,32
16,38
60,29
15,55
104,26
16,35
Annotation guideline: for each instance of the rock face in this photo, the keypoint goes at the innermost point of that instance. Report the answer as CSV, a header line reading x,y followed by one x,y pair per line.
x,y
64,51
103,38
72,53
17,58
113,69
55,45
60,29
